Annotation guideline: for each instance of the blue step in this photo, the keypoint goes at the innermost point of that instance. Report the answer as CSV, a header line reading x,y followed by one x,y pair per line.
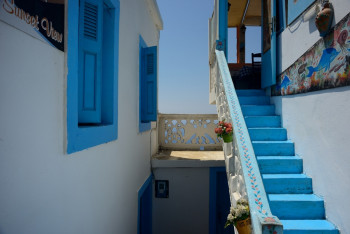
x,y
250,92
254,100
308,227
263,121
258,110
268,134
273,148
280,164
297,206
287,183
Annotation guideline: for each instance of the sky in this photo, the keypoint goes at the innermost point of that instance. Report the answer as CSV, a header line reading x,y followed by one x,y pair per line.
x,y
183,56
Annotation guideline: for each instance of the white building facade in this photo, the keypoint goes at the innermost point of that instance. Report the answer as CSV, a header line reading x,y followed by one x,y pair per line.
x,y
60,173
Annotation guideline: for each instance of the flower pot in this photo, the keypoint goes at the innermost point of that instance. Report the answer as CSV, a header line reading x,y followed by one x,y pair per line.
x,y
227,138
324,20
244,226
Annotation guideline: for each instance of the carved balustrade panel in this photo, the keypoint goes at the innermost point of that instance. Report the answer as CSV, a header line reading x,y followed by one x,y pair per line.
x,y
188,132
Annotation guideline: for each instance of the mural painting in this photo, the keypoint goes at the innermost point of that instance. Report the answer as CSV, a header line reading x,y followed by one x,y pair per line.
x,y
325,65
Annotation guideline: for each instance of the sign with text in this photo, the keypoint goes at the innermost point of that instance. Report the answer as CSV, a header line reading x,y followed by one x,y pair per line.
x,y
42,19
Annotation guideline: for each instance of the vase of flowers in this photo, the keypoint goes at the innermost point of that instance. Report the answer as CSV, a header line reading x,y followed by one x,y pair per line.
x,y
239,216
224,130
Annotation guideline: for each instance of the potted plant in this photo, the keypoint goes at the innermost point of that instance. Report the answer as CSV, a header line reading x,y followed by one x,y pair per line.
x,y
224,130
239,216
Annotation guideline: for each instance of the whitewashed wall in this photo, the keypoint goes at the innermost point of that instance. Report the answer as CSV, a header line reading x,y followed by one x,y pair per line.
x,y
298,37
318,123
44,190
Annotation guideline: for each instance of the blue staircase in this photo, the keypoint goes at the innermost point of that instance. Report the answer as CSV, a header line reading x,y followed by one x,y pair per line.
x,y
289,191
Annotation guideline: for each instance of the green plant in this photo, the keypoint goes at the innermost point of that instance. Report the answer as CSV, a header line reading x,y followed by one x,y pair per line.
x,y
240,212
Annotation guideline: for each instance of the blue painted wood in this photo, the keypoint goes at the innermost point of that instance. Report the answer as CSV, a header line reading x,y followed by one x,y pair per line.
x,y
144,224
308,227
254,100
219,201
263,121
268,58
90,60
280,164
273,148
287,183
143,126
260,110
79,137
297,206
250,92
281,16
268,134
223,23
149,85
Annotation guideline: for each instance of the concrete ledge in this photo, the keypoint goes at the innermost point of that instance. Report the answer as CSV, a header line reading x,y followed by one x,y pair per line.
x,y
183,159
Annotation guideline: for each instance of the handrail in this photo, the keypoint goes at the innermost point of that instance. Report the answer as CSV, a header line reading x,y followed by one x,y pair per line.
x,y
242,169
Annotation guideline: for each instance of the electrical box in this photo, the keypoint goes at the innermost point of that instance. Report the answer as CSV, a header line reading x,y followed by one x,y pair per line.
x,y
162,188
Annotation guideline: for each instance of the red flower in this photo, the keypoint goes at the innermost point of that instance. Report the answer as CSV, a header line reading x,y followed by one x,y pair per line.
x,y
218,130
221,123
228,125
228,130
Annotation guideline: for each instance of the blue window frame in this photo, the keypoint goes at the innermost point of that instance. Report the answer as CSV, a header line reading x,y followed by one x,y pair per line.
x,y
92,80
148,85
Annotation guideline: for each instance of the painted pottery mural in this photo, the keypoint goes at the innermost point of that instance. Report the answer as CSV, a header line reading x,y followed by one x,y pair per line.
x,y
325,65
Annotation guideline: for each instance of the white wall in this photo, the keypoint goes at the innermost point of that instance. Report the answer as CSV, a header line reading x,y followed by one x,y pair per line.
x,y
186,211
298,37
44,190
318,123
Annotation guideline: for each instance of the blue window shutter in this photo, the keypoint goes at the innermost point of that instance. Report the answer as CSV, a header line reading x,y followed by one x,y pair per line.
x,y
149,86
90,61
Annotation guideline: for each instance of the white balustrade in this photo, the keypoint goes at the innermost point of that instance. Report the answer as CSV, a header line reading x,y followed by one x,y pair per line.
x,y
188,132
243,174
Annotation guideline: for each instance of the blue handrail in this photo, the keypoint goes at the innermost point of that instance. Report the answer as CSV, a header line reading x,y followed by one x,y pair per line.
x,y
262,219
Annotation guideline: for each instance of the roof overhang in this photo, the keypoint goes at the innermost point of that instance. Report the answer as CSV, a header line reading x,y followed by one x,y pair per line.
x,y
155,13
237,9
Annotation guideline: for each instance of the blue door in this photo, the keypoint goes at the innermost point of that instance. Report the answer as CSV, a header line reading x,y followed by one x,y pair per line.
x,y
145,208
219,202
268,35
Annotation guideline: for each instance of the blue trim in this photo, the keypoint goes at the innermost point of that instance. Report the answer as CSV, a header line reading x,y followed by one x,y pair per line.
x,y
223,23
141,192
212,197
78,137
143,127
281,12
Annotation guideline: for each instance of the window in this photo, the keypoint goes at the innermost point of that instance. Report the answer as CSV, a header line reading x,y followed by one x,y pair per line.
x,y
148,85
92,60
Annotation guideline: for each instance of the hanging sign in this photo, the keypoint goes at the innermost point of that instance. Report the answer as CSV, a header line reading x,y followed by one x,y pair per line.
x,y
42,19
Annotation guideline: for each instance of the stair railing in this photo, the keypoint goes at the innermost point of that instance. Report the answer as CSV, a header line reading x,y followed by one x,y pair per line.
x,y
243,174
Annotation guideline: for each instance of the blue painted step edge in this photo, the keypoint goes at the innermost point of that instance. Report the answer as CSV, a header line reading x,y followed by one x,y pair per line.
x,y
287,183
250,92
258,110
277,148
280,164
297,206
267,134
263,121
308,227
